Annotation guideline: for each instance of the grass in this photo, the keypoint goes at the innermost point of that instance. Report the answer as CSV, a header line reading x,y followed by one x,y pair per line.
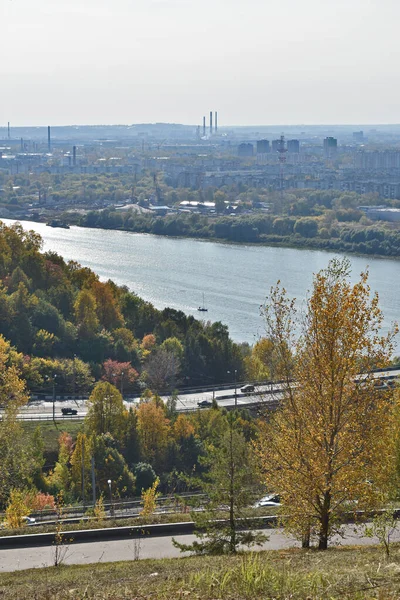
x,y
351,573
50,433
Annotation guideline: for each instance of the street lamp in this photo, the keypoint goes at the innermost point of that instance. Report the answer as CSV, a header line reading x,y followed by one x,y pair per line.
x,y
54,398
122,384
235,373
111,500
74,379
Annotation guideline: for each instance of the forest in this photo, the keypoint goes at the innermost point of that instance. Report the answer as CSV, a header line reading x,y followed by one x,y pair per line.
x,y
68,329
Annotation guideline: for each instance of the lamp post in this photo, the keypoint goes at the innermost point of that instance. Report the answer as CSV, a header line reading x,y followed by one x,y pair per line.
x,y
111,500
122,385
54,398
235,373
74,379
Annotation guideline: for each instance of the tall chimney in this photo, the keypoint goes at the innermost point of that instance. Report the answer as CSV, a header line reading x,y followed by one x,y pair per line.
x,y
211,122
22,145
216,122
204,127
8,129
74,156
48,138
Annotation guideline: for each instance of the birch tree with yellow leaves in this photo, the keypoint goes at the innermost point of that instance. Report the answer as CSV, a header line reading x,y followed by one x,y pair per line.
x,y
330,445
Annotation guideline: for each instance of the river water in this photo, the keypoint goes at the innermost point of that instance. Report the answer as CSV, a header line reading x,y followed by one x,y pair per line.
x,y
234,279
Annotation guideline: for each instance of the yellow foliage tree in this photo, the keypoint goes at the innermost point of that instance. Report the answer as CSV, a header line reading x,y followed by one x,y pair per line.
x,y
17,508
183,428
330,443
17,458
85,314
260,363
149,499
81,465
153,431
106,412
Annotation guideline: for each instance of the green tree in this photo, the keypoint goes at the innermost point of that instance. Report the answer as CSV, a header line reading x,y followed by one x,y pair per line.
x,y
232,472
105,410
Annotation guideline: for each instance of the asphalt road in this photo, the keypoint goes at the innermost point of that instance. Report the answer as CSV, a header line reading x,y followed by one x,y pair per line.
x,y
40,409
43,410
118,550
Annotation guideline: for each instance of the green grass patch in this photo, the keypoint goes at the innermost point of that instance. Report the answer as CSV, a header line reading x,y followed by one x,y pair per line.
x,y
51,433
351,573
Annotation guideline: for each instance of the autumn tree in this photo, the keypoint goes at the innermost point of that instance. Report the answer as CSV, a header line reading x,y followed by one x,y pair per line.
x,y
81,467
105,410
107,309
153,431
330,442
85,314
120,374
18,459
60,478
260,364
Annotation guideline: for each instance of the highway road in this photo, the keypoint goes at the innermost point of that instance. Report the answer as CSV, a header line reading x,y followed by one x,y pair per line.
x,y
116,550
43,410
265,394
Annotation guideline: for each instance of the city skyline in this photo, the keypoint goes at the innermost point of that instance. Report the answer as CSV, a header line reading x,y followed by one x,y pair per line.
x,y
93,62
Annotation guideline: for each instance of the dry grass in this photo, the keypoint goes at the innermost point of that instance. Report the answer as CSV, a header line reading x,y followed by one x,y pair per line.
x,y
345,574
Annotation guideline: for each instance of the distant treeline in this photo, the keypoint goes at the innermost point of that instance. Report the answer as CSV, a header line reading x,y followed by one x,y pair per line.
x,y
345,235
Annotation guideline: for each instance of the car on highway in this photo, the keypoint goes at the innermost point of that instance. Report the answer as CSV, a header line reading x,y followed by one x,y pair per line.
x,y
25,521
271,500
204,404
246,389
67,410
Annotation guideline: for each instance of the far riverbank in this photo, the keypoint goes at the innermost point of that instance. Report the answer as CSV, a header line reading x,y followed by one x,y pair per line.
x,y
259,229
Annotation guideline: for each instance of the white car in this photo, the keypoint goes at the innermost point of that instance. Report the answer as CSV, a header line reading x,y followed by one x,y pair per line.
x,y
271,500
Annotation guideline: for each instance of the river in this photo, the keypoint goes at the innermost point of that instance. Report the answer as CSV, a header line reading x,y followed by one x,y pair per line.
x,y
234,279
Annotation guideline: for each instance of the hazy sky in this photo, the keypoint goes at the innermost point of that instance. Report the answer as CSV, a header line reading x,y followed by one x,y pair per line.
x,y
255,61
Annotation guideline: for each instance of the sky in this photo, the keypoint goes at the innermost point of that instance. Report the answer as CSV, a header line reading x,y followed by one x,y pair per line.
x,y
257,62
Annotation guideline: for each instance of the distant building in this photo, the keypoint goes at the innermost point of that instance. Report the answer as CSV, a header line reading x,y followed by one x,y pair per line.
x,y
293,146
378,160
245,149
263,147
381,213
330,146
276,144
358,136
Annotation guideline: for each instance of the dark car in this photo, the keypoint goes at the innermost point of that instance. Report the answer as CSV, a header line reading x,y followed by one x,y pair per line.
x,y
204,404
247,388
69,411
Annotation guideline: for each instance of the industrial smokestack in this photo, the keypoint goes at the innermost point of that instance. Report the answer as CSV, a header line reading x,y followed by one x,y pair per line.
x,y
74,156
22,145
48,138
211,122
204,127
8,129
216,122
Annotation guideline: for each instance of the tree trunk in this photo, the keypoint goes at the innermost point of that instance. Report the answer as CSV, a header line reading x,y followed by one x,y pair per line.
x,y
305,539
324,524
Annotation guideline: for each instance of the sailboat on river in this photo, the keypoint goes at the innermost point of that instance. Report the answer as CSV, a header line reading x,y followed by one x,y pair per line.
x,y
203,308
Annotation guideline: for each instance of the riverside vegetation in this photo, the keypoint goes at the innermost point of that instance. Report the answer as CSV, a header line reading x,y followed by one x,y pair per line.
x,y
322,219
